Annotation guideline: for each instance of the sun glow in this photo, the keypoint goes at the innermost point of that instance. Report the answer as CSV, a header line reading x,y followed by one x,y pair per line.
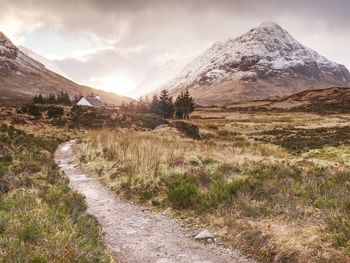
x,y
119,84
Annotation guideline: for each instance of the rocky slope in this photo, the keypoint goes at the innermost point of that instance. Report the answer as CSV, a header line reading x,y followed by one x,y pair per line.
x,y
22,77
265,62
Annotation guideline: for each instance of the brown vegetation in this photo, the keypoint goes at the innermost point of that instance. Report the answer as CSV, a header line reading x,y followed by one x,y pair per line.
x,y
286,203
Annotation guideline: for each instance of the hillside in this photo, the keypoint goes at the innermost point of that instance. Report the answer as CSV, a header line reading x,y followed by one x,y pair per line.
x,y
22,77
330,100
266,62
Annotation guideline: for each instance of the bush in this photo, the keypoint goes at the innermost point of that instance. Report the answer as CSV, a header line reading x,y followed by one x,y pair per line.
x,y
182,193
55,112
34,111
30,232
186,128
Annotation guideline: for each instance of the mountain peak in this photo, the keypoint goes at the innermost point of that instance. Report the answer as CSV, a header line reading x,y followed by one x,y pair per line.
x,y
5,41
264,62
270,24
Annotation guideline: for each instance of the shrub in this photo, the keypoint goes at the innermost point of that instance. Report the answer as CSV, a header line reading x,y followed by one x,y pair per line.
x,y
31,232
55,112
182,193
34,111
186,128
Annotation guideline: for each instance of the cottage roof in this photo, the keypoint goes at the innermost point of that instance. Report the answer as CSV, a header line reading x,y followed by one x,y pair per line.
x,y
95,101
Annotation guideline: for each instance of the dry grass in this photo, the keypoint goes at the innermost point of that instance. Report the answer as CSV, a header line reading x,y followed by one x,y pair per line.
x,y
273,203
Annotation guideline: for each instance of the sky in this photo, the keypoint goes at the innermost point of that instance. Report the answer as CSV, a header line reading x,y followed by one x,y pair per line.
x,y
114,44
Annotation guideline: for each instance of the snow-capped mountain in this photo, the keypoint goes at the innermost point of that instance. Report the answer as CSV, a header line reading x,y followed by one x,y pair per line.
x,y
263,63
49,64
160,76
22,77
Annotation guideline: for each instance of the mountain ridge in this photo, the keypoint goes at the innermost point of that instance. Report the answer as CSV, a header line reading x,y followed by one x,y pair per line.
x,y
22,77
266,62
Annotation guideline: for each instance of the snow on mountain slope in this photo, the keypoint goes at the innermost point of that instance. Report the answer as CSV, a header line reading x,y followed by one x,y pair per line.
x,y
162,75
46,62
264,62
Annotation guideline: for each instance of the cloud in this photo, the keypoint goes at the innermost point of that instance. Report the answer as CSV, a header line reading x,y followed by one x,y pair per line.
x,y
94,39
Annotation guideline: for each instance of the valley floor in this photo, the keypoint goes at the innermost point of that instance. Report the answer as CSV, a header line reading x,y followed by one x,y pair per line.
x,y
136,234
274,185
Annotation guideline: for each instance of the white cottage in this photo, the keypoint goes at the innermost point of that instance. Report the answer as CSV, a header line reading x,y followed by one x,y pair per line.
x,y
91,102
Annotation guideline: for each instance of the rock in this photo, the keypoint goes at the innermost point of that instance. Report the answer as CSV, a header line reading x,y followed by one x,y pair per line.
x,y
204,235
194,160
162,126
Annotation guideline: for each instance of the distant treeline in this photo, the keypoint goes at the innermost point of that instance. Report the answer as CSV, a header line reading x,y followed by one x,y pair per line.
x,y
164,105
61,98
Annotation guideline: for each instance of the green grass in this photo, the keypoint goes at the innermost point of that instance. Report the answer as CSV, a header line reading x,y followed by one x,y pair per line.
x,y
41,218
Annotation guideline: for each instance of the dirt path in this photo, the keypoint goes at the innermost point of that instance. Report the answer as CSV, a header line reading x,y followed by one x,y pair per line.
x,y
134,234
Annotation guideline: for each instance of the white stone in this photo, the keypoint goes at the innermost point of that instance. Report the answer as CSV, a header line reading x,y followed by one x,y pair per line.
x,y
204,234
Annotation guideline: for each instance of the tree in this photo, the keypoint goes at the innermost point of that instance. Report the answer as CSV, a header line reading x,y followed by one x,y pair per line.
x,y
41,99
154,105
38,99
184,105
51,99
63,98
142,105
123,107
166,105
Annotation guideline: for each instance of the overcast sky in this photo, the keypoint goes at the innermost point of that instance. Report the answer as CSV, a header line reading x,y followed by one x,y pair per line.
x,y
114,44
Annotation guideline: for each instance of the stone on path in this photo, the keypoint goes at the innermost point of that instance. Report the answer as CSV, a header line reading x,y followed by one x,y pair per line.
x,y
204,235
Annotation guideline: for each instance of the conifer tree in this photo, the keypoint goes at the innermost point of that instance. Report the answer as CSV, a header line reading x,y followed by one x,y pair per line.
x,y
40,99
166,105
142,105
154,105
184,105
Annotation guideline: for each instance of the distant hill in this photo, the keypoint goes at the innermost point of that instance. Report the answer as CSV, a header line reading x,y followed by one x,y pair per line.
x,y
323,101
22,77
264,63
